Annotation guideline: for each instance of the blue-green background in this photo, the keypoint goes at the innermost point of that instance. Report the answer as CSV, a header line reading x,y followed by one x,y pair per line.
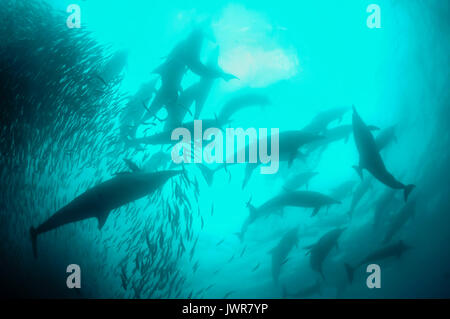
x,y
310,56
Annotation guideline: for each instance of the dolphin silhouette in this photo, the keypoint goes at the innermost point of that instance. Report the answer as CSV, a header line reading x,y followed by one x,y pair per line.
x,y
281,251
99,201
370,159
391,250
320,250
304,199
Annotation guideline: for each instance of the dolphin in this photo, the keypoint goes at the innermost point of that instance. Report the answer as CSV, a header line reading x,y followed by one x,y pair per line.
x,y
359,193
164,137
197,92
308,199
343,190
134,110
273,205
334,134
304,199
320,250
187,54
243,99
370,159
100,200
385,252
407,211
184,56
308,291
290,143
298,180
321,121
281,251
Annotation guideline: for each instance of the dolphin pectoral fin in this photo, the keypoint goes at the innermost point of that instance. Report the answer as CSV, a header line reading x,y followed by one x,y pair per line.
x,y
316,210
358,170
102,219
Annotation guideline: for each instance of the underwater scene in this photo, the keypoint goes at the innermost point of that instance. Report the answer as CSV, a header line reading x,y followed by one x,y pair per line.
x,y
224,149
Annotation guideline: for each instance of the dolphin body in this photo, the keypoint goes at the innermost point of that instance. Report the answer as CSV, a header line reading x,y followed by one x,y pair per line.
x,y
343,190
359,193
197,92
385,252
99,201
304,199
334,134
243,99
281,251
164,137
187,53
321,121
298,180
134,110
370,159
320,250
308,291
290,143
184,56
407,211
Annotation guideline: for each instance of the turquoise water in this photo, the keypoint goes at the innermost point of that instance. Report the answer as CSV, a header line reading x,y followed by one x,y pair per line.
x,y
61,135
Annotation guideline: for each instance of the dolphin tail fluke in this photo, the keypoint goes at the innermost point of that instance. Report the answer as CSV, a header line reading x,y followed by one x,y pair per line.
x,y
350,271
408,189
33,235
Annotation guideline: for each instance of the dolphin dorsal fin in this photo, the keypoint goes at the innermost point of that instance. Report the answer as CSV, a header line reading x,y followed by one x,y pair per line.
x,y
102,218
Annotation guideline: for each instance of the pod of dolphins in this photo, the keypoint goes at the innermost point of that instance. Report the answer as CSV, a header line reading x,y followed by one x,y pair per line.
x,y
154,251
